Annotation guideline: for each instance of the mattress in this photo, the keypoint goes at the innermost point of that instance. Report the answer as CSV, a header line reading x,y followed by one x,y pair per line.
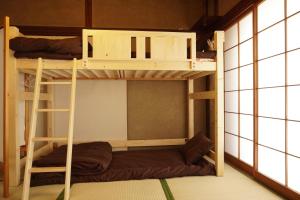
x,y
66,49
136,165
58,49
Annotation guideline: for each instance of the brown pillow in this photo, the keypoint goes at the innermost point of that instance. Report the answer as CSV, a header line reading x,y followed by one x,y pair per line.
x,y
196,148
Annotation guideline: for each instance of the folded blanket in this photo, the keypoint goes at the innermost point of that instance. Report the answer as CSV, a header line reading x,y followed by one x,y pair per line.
x,y
59,46
46,55
87,158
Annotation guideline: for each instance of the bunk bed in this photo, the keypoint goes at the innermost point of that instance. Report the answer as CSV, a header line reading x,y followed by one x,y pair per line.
x,y
113,55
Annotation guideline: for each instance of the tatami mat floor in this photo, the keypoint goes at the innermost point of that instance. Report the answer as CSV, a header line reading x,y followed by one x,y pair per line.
x,y
233,186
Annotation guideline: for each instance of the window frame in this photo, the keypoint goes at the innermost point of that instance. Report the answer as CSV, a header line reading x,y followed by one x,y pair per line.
x,y
253,170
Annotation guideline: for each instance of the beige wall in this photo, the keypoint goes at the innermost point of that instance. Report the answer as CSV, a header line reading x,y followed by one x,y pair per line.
x,y
157,109
200,108
108,110
44,12
100,112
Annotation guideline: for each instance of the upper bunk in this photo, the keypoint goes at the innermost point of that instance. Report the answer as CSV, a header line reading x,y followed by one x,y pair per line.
x,y
129,55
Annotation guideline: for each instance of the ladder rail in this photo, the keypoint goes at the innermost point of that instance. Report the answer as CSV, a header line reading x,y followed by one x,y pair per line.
x,y
32,131
70,132
32,139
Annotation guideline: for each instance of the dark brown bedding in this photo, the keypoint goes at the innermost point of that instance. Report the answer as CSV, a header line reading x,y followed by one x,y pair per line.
x,y
46,55
206,54
59,49
63,49
88,158
140,164
59,46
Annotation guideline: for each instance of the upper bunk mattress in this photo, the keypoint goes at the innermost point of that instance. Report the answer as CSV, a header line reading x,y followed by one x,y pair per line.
x,y
138,164
64,49
58,49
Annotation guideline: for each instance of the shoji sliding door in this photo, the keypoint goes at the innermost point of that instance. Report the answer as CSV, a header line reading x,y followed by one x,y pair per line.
x,y
239,90
268,142
279,91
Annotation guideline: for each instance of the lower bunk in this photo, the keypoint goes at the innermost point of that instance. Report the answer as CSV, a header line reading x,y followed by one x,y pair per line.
x,y
96,162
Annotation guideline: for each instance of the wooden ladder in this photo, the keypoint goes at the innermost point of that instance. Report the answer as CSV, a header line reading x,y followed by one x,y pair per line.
x,y
32,139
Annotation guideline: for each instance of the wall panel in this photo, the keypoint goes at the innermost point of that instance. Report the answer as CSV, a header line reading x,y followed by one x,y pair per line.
x,y
154,14
157,109
100,110
45,12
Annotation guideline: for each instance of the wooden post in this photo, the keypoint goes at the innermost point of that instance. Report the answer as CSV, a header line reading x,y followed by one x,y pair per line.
x,y
191,131
5,109
27,119
219,104
50,115
11,117
33,121
70,132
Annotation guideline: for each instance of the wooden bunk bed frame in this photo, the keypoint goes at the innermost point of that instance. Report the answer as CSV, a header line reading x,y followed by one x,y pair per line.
x,y
170,60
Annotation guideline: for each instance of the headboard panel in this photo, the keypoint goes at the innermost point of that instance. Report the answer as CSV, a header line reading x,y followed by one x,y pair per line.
x,y
139,45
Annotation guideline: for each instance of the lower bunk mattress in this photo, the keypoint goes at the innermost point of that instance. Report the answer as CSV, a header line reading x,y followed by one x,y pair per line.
x,y
135,165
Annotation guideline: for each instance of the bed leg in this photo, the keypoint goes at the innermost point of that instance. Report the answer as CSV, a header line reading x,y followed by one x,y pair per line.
x,y
191,131
50,115
219,104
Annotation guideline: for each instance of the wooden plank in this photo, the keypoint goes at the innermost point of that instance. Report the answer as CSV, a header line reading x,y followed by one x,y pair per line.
x,y
106,73
212,155
131,78
140,47
53,110
219,104
159,142
177,74
120,65
203,95
46,139
61,73
70,133
33,123
56,83
47,169
12,82
50,116
51,74
28,96
27,113
200,75
140,143
6,127
95,73
84,73
32,72
191,130
36,154
160,74
190,73
255,86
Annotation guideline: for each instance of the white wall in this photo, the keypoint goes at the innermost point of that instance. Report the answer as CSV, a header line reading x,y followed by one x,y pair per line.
x,y
1,95
100,112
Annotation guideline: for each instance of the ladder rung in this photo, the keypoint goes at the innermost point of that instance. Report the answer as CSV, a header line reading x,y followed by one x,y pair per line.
x,y
53,110
46,139
47,169
56,83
